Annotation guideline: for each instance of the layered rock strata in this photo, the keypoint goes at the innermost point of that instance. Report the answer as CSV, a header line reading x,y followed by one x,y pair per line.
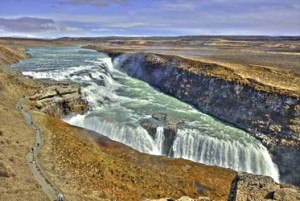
x,y
59,98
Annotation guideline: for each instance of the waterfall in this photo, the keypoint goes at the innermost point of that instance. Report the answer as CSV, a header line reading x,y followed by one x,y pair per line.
x,y
158,141
251,158
138,138
188,144
117,102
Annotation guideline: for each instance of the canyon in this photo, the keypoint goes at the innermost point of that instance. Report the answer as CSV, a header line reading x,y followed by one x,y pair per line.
x,y
119,170
269,113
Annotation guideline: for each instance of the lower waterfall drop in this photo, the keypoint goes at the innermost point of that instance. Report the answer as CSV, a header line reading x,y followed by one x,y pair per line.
x,y
158,141
252,158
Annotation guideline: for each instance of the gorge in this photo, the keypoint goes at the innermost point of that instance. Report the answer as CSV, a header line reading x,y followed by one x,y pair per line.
x,y
140,100
130,111
268,113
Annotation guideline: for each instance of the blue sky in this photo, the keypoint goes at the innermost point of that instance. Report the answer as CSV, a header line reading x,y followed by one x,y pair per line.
x,y
80,18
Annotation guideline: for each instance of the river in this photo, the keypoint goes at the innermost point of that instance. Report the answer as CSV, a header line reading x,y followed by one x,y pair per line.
x,y
118,103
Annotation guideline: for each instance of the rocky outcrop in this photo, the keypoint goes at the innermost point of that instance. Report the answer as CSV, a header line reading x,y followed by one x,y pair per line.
x,y
270,114
247,187
59,98
169,124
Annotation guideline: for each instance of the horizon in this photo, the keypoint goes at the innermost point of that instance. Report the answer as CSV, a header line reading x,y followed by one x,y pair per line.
x,y
157,18
154,36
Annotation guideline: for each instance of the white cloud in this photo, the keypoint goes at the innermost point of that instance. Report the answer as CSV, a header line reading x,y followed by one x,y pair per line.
x,y
125,25
96,3
178,5
170,17
27,24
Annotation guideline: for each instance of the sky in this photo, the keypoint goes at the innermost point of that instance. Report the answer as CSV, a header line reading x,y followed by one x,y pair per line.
x,y
92,18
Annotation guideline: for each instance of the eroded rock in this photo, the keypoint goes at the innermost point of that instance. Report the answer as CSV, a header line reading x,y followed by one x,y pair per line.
x,y
59,98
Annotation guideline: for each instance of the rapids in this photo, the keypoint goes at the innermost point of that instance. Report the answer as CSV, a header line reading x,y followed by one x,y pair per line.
x,y
117,103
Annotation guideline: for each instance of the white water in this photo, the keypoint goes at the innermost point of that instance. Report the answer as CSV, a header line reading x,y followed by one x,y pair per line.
x,y
118,102
158,141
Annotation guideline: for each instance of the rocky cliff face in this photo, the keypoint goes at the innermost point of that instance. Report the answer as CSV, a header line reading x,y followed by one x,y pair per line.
x,y
250,187
59,98
270,114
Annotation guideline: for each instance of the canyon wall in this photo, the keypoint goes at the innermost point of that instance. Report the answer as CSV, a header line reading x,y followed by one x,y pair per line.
x,y
268,113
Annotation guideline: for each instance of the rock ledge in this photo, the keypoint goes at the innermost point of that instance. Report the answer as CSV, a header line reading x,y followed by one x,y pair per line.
x,y
59,98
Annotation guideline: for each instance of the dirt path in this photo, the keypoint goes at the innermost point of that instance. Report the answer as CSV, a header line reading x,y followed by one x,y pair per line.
x,y
47,185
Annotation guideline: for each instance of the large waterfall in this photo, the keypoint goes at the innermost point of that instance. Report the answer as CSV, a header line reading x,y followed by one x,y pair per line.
x,y
118,102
